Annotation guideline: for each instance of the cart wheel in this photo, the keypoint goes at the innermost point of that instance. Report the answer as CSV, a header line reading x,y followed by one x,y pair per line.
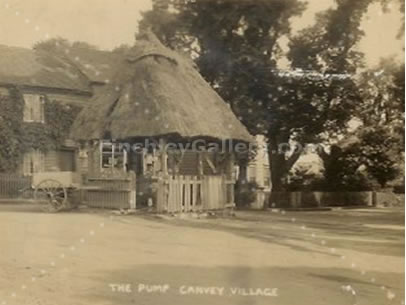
x,y
51,194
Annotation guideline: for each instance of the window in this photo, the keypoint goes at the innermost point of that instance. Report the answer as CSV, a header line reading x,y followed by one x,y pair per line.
x,y
34,105
34,162
112,156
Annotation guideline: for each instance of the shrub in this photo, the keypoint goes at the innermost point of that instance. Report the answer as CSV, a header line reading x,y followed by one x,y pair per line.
x,y
245,193
399,189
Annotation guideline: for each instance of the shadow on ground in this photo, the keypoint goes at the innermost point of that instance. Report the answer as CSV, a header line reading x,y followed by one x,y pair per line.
x,y
359,230
346,229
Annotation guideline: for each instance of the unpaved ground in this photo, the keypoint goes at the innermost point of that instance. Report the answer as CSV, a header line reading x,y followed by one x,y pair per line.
x,y
77,258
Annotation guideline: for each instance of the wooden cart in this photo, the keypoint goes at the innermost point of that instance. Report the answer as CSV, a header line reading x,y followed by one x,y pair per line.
x,y
53,190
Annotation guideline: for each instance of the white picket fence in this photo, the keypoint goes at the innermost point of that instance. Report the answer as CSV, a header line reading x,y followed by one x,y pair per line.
x,y
191,193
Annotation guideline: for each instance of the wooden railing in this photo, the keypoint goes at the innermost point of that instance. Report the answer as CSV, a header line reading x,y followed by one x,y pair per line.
x,y
14,186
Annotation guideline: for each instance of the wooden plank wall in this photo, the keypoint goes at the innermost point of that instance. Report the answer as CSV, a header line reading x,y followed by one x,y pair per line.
x,y
59,160
218,192
110,193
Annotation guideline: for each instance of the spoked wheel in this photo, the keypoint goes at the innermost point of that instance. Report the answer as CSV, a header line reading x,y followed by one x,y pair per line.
x,y
52,195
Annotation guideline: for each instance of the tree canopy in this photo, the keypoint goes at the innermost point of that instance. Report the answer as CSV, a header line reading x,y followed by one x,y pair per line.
x,y
55,45
236,46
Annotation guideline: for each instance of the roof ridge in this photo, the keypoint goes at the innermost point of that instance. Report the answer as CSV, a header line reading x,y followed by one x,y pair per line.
x,y
40,68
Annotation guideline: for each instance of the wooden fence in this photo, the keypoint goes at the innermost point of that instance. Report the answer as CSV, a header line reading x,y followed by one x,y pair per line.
x,y
184,193
191,193
218,192
329,199
109,192
14,186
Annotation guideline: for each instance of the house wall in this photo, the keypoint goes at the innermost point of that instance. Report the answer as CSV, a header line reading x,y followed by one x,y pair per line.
x,y
64,159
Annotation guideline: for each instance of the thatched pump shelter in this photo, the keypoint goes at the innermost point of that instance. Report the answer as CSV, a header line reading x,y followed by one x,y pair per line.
x,y
157,118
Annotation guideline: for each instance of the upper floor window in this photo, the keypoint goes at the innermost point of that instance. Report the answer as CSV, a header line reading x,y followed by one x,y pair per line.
x,y
34,105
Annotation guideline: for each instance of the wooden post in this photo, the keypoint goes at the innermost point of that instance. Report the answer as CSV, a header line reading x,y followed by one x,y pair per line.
x,y
194,193
132,194
187,194
164,157
200,164
91,160
162,196
230,175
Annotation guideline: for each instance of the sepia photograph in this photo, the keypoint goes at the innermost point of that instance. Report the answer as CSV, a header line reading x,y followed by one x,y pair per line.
x,y
202,152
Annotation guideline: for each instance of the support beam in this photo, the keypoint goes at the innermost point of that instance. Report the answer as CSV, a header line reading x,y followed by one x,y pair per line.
x,y
163,157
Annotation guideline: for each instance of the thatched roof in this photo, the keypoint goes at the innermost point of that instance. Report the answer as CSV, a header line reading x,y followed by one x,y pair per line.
x,y
97,65
25,67
157,92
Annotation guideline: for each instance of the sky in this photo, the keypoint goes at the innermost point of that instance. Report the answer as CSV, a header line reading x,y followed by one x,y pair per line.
x,y
110,23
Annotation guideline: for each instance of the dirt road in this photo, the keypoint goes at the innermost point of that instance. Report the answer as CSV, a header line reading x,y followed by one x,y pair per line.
x,y
77,258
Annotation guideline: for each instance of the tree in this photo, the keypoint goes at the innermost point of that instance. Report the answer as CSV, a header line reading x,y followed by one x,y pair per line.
x,y
329,46
377,151
359,161
121,49
59,44
52,44
383,97
382,115
301,178
377,143
235,45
